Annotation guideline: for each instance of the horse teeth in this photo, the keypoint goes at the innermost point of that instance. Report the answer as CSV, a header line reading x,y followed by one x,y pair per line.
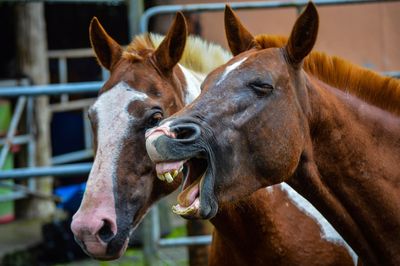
x,y
161,177
168,177
175,173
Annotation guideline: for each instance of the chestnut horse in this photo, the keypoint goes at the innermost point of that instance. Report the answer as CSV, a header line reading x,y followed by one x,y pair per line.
x,y
146,84
261,119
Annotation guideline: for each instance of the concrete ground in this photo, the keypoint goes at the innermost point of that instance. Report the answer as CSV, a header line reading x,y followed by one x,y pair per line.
x,y
19,235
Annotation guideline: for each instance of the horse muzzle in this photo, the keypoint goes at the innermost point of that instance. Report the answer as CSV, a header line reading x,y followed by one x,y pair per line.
x,y
95,236
178,144
173,141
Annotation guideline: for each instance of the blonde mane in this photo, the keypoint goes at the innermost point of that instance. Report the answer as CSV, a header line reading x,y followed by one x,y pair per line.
x,y
199,55
378,90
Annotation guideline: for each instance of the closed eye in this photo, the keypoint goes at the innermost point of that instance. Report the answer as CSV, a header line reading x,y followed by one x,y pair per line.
x,y
261,89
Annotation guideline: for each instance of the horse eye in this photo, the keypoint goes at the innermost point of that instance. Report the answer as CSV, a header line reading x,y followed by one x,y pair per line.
x,y
261,89
154,120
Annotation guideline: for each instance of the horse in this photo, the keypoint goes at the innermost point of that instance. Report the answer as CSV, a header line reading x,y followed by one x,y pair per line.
x,y
146,85
332,135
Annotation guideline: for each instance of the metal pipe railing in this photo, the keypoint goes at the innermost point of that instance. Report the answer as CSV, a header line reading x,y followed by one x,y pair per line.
x,y
21,139
62,170
72,156
185,241
214,7
53,89
110,2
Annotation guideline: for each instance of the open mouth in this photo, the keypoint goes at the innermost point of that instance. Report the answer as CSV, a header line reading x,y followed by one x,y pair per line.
x,y
194,171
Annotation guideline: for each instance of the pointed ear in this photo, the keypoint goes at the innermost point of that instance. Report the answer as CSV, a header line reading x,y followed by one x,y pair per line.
x,y
238,37
107,51
303,36
170,50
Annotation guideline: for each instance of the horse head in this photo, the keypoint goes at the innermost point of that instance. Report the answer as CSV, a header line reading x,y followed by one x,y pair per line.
x,y
248,128
145,85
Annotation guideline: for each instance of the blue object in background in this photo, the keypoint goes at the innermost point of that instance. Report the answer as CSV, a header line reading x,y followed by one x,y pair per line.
x,y
71,197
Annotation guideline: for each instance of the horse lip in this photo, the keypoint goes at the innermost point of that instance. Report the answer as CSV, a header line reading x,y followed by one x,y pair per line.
x,y
112,256
208,204
161,147
96,248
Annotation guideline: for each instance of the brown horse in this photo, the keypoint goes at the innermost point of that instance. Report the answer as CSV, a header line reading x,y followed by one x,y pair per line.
x,y
261,119
145,85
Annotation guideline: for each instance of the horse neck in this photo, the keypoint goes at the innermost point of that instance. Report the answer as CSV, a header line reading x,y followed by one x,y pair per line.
x,y
193,81
248,226
349,171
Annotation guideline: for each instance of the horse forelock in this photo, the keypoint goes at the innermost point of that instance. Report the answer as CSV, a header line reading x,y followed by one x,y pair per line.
x,y
369,86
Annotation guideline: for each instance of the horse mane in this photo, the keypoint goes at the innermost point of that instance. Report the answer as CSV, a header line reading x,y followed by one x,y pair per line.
x,y
199,55
369,86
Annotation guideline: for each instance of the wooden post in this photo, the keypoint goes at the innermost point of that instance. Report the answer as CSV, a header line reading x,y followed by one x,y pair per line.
x,y
33,63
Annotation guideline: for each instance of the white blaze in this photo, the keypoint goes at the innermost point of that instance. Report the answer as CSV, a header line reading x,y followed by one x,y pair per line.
x,y
113,121
229,69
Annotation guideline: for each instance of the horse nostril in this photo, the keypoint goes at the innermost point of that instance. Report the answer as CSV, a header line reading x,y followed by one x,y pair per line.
x,y
105,233
186,132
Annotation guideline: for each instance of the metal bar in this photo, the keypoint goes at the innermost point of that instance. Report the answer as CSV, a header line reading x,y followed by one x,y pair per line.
x,y
62,70
53,89
104,74
213,7
110,2
64,170
13,82
185,241
21,139
393,74
31,149
72,157
70,53
29,192
72,105
135,11
151,237
63,75
12,128
13,196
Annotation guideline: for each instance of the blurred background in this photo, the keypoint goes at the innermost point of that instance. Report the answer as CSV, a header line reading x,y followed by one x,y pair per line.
x,y
45,137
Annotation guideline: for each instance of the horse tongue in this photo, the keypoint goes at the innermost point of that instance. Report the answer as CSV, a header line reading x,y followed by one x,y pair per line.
x,y
189,195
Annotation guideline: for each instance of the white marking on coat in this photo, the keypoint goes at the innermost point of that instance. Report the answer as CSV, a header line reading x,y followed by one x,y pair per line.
x,y
327,231
193,82
229,69
113,122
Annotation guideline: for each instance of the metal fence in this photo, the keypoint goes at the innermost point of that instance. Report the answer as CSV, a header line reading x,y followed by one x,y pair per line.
x,y
215,7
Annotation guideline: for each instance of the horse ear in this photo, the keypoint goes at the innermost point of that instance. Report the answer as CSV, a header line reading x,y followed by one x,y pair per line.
x,y
170,50
238,37
303,36
107,51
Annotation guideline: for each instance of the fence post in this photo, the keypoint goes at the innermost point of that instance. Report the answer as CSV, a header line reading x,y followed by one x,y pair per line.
x,y
32,59
151,236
